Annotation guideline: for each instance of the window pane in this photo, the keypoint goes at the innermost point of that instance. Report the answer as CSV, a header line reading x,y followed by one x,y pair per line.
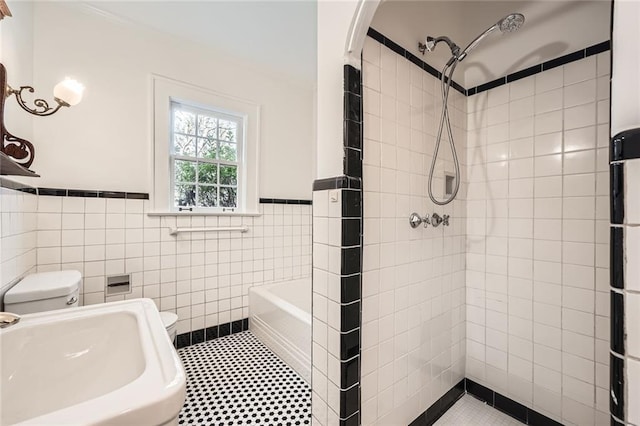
x,y
207,148
185,171
207,126
184,145
184,122
185,195
228,175
228,130
228,151
228,197
207,173
207,196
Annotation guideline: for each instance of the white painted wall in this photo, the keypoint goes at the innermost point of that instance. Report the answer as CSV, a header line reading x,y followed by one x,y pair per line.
x,y
334,22
18,209
16,54
625,87
104,143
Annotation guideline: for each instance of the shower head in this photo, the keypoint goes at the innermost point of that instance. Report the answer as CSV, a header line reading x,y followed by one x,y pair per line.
x,y
431,42
508,24
511,23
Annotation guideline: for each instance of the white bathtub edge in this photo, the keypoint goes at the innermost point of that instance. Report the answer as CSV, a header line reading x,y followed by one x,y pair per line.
x,y
281,346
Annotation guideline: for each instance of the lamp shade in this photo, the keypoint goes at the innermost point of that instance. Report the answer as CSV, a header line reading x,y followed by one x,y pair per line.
x,y
69,91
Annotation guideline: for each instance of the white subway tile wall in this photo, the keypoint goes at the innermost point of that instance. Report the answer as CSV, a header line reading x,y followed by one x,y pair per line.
x,y
327,228
203,277
538,241
413,312
17,236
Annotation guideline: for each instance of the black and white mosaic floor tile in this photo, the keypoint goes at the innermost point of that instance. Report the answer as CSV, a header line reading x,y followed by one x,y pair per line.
x,y
236,380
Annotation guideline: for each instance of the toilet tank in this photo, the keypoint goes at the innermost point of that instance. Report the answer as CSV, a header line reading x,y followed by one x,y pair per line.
x,y
45,291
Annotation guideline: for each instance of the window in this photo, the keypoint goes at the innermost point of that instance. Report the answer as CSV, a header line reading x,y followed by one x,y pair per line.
x,y
206,158
205,151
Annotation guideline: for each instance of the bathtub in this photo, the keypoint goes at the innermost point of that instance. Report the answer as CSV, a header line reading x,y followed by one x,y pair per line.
x,y
280,316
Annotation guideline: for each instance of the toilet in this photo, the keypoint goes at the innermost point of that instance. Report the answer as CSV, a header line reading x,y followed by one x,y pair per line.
x,y
169,319
48,291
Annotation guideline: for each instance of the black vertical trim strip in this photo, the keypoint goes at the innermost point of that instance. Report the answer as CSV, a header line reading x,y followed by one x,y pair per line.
x,y
351,234
352,163
349,317
349,344
625,145
616,396
349,373
351,260
616,257
352,204
617,193
617,323
350,288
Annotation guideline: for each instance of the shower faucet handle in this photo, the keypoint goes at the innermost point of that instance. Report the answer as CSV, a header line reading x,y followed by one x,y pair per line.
x,y
436,220
415,220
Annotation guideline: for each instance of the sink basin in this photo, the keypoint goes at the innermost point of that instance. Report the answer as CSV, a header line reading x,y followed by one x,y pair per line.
x,y
96,365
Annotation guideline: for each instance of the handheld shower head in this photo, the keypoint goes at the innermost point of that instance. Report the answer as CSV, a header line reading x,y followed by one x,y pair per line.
x,y
511,23
508,24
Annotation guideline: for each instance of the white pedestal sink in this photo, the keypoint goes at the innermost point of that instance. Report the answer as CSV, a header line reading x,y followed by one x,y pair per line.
x,y
109,364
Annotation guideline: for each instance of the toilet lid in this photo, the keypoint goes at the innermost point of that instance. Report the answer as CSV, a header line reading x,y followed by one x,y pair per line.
x,y
44,285
168,319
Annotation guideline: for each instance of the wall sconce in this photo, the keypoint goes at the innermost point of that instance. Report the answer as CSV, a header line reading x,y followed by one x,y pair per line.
x,y
66,93
4,10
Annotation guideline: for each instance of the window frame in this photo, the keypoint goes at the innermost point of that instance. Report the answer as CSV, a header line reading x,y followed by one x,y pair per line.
x,y
239,163
164,92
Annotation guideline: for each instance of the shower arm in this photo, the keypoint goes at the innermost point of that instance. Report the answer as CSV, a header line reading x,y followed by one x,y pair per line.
x,y
431,43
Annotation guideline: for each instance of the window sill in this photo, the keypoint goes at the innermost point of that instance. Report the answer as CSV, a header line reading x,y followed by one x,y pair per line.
x,y
176,214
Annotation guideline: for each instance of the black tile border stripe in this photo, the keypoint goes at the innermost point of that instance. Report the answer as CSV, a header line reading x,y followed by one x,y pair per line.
x,y
545,66
508,406
62,192
210,333
625,145
438,408
284,201
338,182
527,72
385,41
494,399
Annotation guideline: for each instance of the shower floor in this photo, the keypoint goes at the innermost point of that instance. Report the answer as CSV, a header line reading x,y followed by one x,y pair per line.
x,y
236,380
471,411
